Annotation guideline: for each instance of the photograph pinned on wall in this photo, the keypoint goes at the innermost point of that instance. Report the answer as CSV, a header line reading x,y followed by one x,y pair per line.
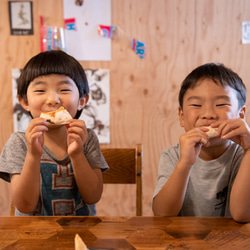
x,y
95,114
21,117
21,18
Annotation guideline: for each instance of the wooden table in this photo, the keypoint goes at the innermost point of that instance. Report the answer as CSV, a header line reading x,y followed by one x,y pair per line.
x,y
123,233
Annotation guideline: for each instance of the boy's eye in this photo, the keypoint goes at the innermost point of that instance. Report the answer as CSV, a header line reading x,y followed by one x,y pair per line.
x,y
65,90
222,104
39,90
196,105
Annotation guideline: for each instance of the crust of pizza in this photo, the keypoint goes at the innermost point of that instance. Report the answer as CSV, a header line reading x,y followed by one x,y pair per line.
x,y
58,117
212,132
79,244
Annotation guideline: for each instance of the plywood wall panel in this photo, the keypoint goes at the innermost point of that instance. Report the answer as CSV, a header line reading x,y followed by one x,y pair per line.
x,y
179,34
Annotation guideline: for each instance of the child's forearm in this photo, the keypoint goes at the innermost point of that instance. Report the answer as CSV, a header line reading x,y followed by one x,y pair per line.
x,y
169,201
240,198
89,181
25,188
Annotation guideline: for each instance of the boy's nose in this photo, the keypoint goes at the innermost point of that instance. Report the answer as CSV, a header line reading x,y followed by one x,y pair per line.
x,y
53,98
208,114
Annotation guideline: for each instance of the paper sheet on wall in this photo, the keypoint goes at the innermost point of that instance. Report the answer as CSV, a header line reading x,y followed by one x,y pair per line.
x,y
96,113
81,36
245,32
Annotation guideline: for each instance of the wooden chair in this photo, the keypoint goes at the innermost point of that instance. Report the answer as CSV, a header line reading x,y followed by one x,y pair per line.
x,y
125,168
12,209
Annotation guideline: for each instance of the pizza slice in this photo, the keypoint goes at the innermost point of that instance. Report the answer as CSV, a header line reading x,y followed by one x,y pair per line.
x,y
58,117
212,132
79,244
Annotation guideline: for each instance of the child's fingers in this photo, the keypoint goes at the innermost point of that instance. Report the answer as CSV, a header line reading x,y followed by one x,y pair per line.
x,y
203,141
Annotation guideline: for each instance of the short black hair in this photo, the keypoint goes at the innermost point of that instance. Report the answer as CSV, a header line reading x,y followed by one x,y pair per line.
x,y
220,75
53,62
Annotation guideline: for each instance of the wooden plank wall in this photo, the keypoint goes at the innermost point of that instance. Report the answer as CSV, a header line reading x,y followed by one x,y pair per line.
x,y
180,35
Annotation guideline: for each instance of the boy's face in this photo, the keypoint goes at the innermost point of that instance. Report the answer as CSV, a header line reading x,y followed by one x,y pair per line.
x,y
208,102
48,93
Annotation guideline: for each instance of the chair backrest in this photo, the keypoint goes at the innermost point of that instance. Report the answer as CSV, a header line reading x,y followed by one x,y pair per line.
x,y
125,168
12,209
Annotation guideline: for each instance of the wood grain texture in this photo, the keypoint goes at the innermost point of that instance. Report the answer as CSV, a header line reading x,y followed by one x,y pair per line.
x,y
179,34
146,232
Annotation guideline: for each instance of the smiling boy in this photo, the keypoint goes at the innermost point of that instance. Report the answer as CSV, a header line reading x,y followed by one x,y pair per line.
x,y
54,169
202,176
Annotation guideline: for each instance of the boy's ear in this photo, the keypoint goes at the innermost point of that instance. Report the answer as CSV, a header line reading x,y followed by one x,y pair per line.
x,y
181,117
24,103
83,101
242,112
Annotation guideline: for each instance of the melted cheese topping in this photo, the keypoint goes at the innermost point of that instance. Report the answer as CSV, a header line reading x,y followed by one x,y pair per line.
x,y
59,117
